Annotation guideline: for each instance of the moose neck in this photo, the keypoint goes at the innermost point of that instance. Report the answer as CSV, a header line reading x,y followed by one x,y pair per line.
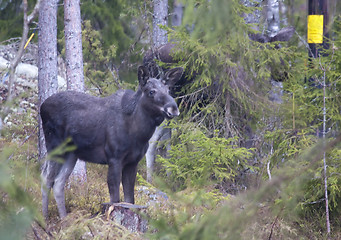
x,y
143,121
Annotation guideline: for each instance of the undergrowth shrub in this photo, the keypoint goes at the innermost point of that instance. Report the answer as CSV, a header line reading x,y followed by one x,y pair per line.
x,y
197,160
314,199
272,211
90,195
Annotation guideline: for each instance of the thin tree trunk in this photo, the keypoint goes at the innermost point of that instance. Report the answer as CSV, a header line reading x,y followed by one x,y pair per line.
x,y
324,154
273,18
74,63
47,59
177,14
283,13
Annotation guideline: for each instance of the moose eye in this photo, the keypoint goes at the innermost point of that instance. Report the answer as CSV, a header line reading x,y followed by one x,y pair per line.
x,y
151,93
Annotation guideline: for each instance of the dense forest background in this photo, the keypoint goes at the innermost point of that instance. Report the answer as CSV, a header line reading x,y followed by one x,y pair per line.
x,y
259,124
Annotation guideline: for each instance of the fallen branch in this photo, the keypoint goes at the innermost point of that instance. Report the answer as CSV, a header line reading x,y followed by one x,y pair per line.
x,y
273,225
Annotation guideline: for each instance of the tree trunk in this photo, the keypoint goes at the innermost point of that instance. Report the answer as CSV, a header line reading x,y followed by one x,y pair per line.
x,y
73,45
74,63
47,59
255,16
177,14
325,176
159,38
160,17
283,13
273,18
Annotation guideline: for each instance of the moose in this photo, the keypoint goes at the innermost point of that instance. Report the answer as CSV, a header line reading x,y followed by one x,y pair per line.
x,y
113,130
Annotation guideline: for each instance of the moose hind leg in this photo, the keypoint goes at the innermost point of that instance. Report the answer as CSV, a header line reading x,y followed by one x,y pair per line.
x,y
128,182
49,171
59,184
45,192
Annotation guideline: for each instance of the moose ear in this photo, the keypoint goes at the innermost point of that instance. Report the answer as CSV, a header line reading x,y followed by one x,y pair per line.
x,y
142,75
173,75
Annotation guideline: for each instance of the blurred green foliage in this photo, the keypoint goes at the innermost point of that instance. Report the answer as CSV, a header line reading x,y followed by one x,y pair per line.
x,y
271,211
11,18
16,208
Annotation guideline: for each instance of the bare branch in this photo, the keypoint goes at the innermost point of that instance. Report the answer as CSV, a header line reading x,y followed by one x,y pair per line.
x,y
34,12
20,52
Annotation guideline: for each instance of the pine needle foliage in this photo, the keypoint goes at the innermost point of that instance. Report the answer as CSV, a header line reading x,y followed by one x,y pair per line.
x,y
196,160
105,18
229,96
11,18
301,128
230,72
268,212
98,67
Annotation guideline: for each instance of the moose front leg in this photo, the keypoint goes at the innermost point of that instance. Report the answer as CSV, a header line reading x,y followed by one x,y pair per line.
x,y
114,180
128,182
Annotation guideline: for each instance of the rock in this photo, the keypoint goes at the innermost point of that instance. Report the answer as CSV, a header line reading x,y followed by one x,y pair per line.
x,y
27,83
276,92
27,70
128,215
4,64
154,196
61,83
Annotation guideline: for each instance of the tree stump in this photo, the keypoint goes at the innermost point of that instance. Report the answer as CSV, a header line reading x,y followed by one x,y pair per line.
x,y
126,214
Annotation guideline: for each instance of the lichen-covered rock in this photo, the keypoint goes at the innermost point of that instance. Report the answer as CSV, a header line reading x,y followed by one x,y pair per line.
x,y
153,196
128,215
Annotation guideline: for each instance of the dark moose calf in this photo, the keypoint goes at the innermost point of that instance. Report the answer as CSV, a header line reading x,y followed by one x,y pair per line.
x,y
114,130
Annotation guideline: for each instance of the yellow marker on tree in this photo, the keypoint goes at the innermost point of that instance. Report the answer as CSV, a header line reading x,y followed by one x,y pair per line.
x,y
315,28
28,41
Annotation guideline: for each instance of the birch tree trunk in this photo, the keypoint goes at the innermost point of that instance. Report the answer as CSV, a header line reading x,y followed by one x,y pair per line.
x,y
177,14
325,176
273,18
74,63
47,59
159,38
160,17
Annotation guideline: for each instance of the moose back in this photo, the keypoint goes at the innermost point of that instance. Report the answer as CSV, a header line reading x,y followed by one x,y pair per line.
x,y
113,130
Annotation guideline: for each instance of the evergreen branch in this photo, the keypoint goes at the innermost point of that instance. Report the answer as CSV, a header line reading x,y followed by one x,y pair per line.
x,y
192,94
132,46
